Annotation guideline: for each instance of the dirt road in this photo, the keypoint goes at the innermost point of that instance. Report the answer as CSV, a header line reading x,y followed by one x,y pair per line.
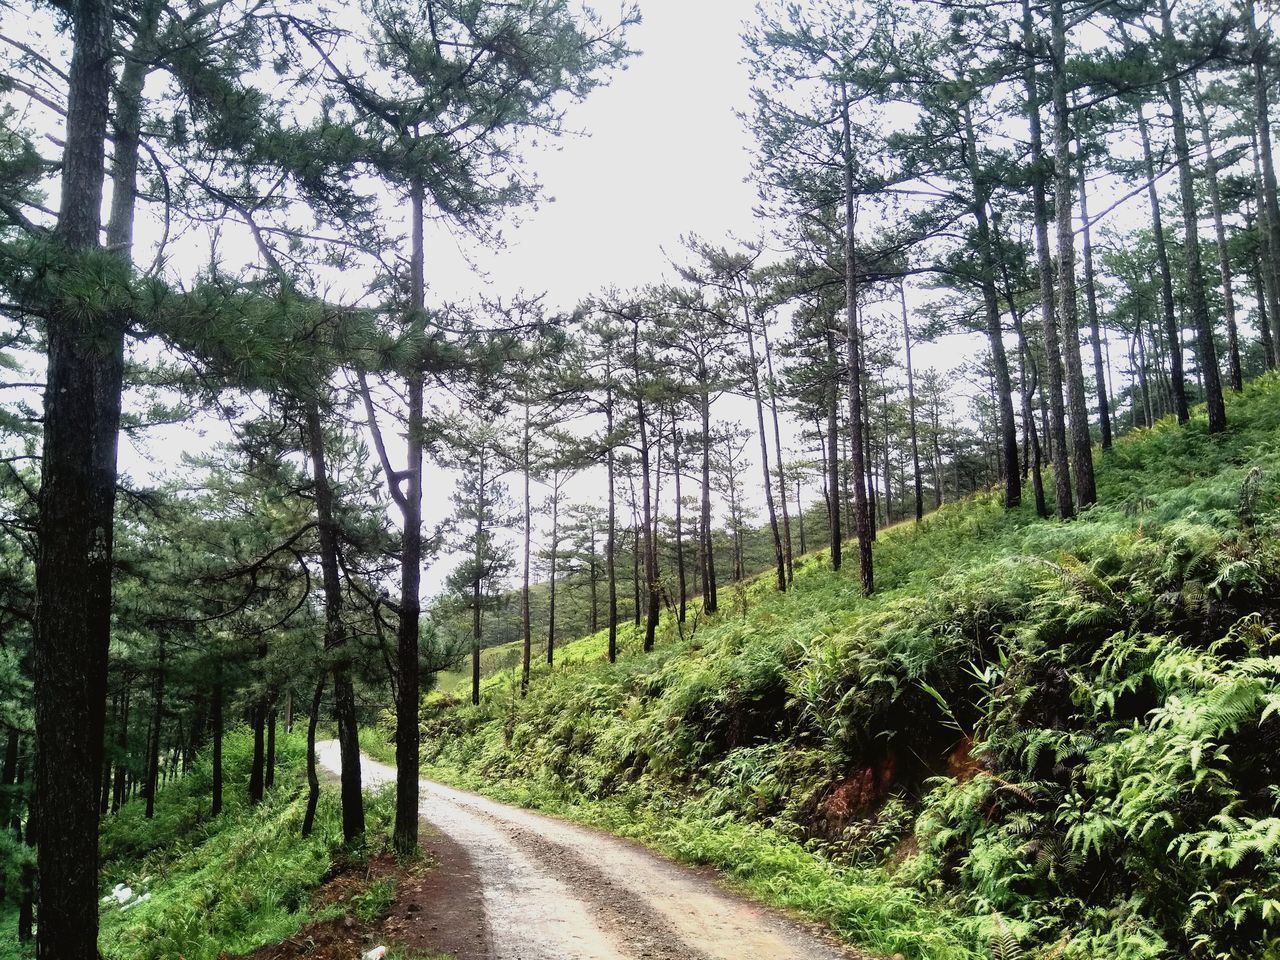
x,y
557,891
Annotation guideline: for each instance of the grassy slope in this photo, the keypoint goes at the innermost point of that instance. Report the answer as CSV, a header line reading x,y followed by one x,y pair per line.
x,y
1110,684
217,886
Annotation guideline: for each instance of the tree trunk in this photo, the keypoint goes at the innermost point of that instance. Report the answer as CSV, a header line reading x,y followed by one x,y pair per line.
x,y
1077,409
476,591
1171,329
708,550
788,556
1270,208
836,532
611,537
157,722
1208,354
1091,304
269,778
551,580
335,639
681,577
1235,376
753,374
216,800
1057,432
911,406
526,622
995,332
76,513
313,781
1261,291
652,608
865,573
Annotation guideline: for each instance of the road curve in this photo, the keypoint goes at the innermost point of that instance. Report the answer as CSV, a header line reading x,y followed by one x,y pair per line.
x,y
558,891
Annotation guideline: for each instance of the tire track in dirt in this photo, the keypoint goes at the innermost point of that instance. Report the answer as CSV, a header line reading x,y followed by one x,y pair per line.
x,y
554,890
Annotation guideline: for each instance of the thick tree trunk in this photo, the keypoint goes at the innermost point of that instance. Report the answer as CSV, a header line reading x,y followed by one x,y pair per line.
x,y
1069,330
1091,304
76,508
335,639
1057,432
866,574
1172,331
1205,348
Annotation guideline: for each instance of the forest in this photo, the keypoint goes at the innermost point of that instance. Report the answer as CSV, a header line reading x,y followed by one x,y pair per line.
x,y
907,563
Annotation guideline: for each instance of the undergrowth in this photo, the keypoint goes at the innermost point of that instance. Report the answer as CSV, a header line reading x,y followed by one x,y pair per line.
x,y
1038,738
228,884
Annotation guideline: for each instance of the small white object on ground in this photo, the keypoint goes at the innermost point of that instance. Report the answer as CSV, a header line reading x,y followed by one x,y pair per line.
x,y
377,953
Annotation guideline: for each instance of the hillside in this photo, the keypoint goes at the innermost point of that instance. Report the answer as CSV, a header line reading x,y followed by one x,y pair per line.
x,y
1038,738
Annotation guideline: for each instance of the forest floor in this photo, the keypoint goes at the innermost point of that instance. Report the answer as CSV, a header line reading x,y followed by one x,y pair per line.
x,y
517,885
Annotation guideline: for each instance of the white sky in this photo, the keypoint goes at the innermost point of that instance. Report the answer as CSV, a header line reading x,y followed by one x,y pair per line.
x,y
659,153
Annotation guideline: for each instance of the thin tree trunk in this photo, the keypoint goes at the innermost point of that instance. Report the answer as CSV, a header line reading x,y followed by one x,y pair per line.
x,y
215,807
1205,348
1091,304
681,575
335,639
269,780
551,581
313,781
1008,430
611,547
1172,332
157,721
777,446
865,573
526,622
1235,376
911,405
709,600
753,375
1077,409
1270,207
836,532
1057,432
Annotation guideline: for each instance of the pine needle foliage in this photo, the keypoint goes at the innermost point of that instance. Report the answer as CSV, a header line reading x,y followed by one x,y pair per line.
x,y
1070,727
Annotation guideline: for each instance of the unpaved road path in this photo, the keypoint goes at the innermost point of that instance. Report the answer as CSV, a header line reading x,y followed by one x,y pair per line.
x,y
553,890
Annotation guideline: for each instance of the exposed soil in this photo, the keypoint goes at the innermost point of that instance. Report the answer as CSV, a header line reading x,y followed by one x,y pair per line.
x,y
438,910
510,884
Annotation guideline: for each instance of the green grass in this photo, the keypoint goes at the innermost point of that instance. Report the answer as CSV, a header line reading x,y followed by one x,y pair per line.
x,y
1118,677
221,885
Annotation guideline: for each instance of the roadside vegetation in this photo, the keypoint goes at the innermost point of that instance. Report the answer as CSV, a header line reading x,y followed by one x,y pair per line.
x,y
1037,738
